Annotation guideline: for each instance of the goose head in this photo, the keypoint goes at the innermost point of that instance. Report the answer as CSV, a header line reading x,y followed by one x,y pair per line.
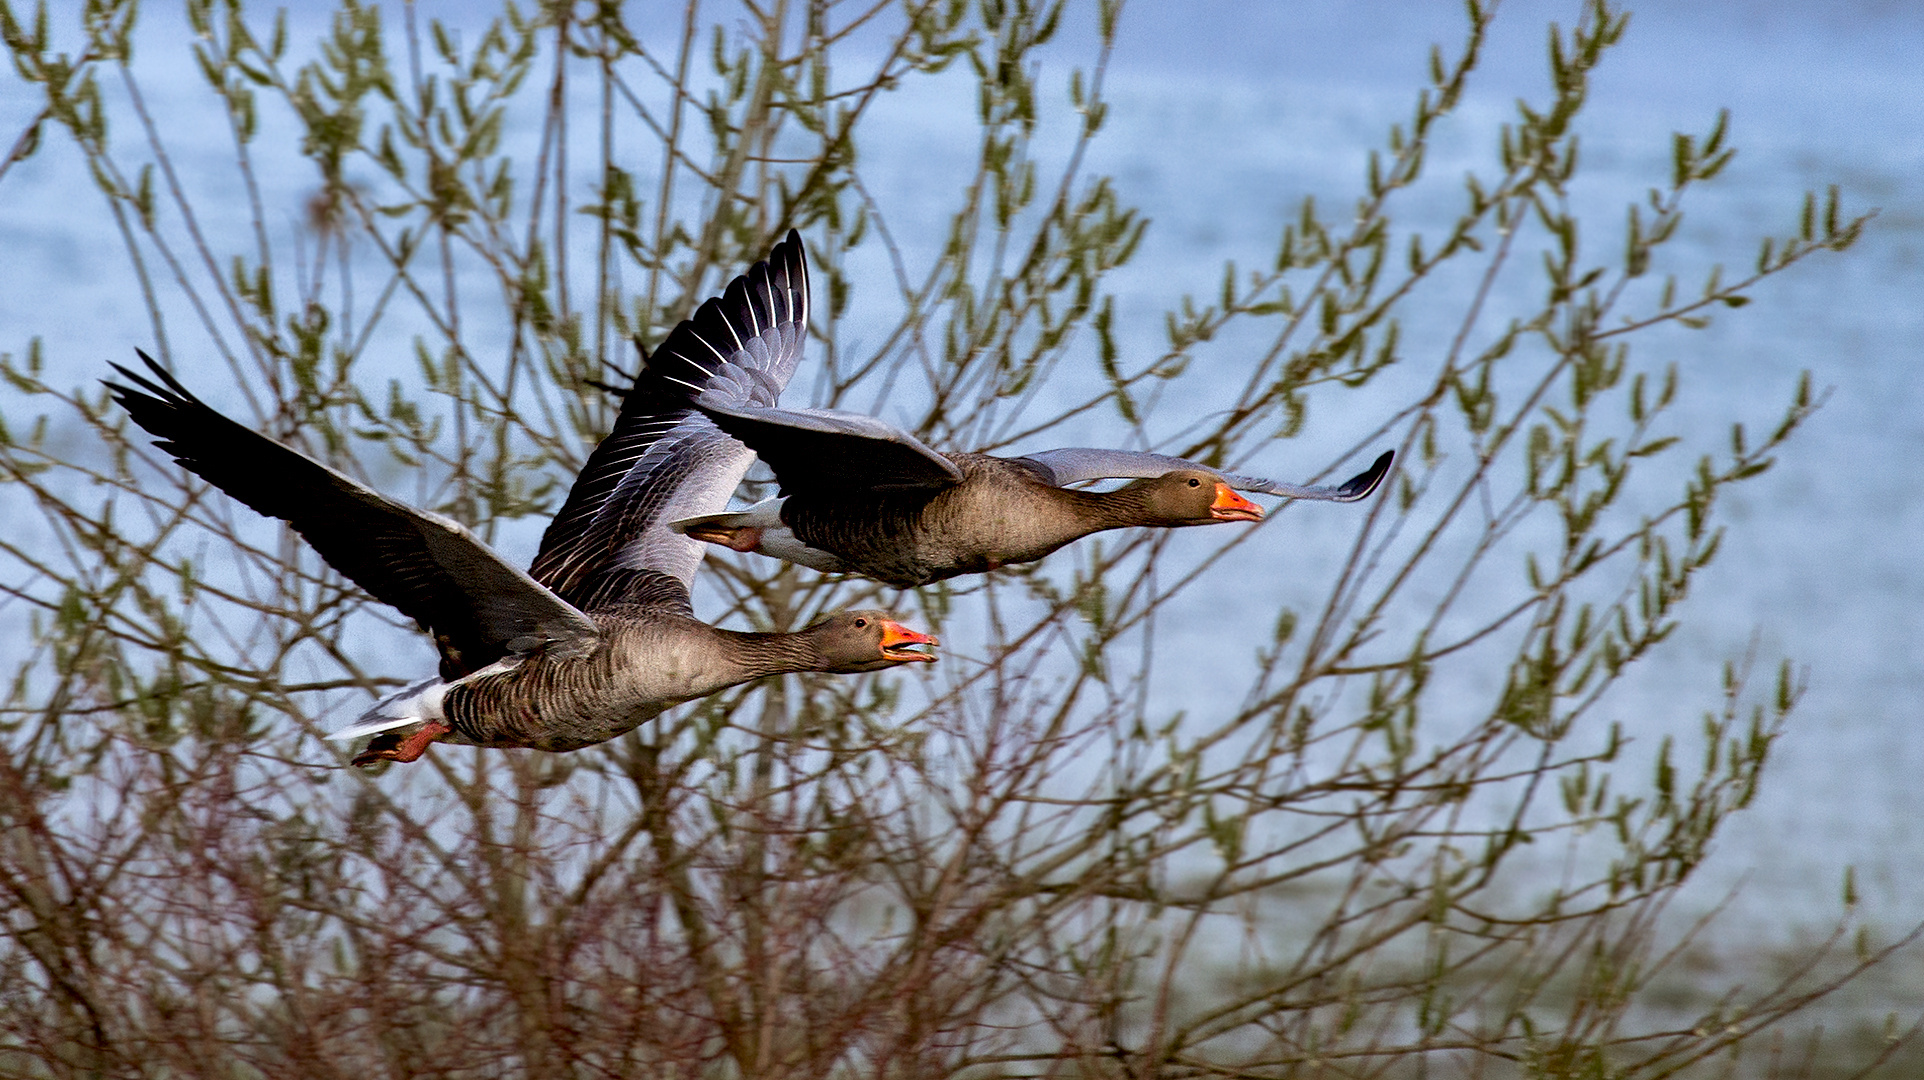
x,y
1189,497
867,640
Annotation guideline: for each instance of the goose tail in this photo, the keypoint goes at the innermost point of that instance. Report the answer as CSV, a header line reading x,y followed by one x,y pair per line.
x,y
416,704
759,529
766,514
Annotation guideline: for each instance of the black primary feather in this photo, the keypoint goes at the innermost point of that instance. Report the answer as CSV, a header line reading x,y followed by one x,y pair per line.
x,y
478,607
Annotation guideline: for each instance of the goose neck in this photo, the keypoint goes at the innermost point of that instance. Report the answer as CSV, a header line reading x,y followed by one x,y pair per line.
x,y
761,654
1118,509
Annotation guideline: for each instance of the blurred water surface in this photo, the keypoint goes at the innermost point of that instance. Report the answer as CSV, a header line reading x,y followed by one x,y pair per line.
x,y
1226,114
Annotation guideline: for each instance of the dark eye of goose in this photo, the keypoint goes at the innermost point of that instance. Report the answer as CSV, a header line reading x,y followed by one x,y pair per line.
x,y
1193,482
859,623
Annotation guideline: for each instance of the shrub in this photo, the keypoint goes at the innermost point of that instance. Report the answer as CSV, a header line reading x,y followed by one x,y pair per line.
x,y
1022,864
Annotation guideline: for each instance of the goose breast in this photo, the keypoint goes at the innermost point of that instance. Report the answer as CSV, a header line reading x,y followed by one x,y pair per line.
x,y
647,662
1002,512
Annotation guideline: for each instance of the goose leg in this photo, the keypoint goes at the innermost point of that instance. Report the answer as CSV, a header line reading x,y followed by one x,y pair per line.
x,y
745,538
391,747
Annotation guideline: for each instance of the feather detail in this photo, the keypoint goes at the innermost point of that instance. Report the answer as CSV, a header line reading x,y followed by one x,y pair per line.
x,y
478,606
611,542
416,704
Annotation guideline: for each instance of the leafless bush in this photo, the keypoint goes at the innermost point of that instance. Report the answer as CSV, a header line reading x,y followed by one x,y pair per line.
x,y
1020,865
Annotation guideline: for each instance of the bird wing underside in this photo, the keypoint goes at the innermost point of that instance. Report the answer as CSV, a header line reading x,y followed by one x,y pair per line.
x,y
663,461
479,607
627,554
745,344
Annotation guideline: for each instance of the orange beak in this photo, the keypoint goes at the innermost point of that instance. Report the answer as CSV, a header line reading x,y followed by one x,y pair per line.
x,y
1230,506
897,638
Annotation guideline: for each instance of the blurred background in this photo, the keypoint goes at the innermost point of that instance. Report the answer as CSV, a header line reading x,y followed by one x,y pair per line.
x,y
1223,116
1226,114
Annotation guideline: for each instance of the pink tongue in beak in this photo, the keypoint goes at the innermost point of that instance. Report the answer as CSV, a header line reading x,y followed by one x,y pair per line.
x,y
896,638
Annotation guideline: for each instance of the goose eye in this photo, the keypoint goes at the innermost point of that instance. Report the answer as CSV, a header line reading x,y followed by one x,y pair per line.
x,y
859,623
1193,482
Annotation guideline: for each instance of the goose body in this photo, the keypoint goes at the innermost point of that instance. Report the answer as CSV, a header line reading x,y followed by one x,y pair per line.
x,y
645,662
599,635
1003,511
861,496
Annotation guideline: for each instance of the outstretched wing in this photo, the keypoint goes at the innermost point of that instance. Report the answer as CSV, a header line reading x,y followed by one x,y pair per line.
x,y
823,450
1073,465
664,461
478,606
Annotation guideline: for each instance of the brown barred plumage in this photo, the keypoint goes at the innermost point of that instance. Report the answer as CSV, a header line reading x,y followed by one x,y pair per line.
x,y
601,635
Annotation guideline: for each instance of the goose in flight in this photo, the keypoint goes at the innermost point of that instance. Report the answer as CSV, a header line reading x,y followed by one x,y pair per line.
x,y
599,635
862,496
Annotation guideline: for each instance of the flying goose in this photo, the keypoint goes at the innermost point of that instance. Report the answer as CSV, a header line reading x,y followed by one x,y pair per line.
x,y
599,635
862,496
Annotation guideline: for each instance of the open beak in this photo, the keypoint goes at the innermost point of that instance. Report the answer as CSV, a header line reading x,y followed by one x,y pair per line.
x,y
898,639
1230,506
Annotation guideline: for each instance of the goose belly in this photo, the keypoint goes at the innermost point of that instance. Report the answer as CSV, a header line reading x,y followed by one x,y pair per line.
x,y
911,540
978,529
561,705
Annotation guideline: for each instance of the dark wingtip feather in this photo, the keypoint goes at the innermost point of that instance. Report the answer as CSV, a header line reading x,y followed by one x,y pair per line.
x,y
173,393
1362,484
772,292
160,408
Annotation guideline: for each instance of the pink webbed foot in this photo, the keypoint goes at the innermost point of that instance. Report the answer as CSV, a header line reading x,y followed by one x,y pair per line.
x,y
745,538
389,746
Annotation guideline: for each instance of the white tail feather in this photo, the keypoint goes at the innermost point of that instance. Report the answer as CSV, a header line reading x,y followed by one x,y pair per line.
x,y
759,529
414,705
766,514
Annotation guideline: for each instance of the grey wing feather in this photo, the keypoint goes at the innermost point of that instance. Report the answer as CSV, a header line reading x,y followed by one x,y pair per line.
x,y
1074,465
825,450
1077,464
628,554
479,607
663,461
